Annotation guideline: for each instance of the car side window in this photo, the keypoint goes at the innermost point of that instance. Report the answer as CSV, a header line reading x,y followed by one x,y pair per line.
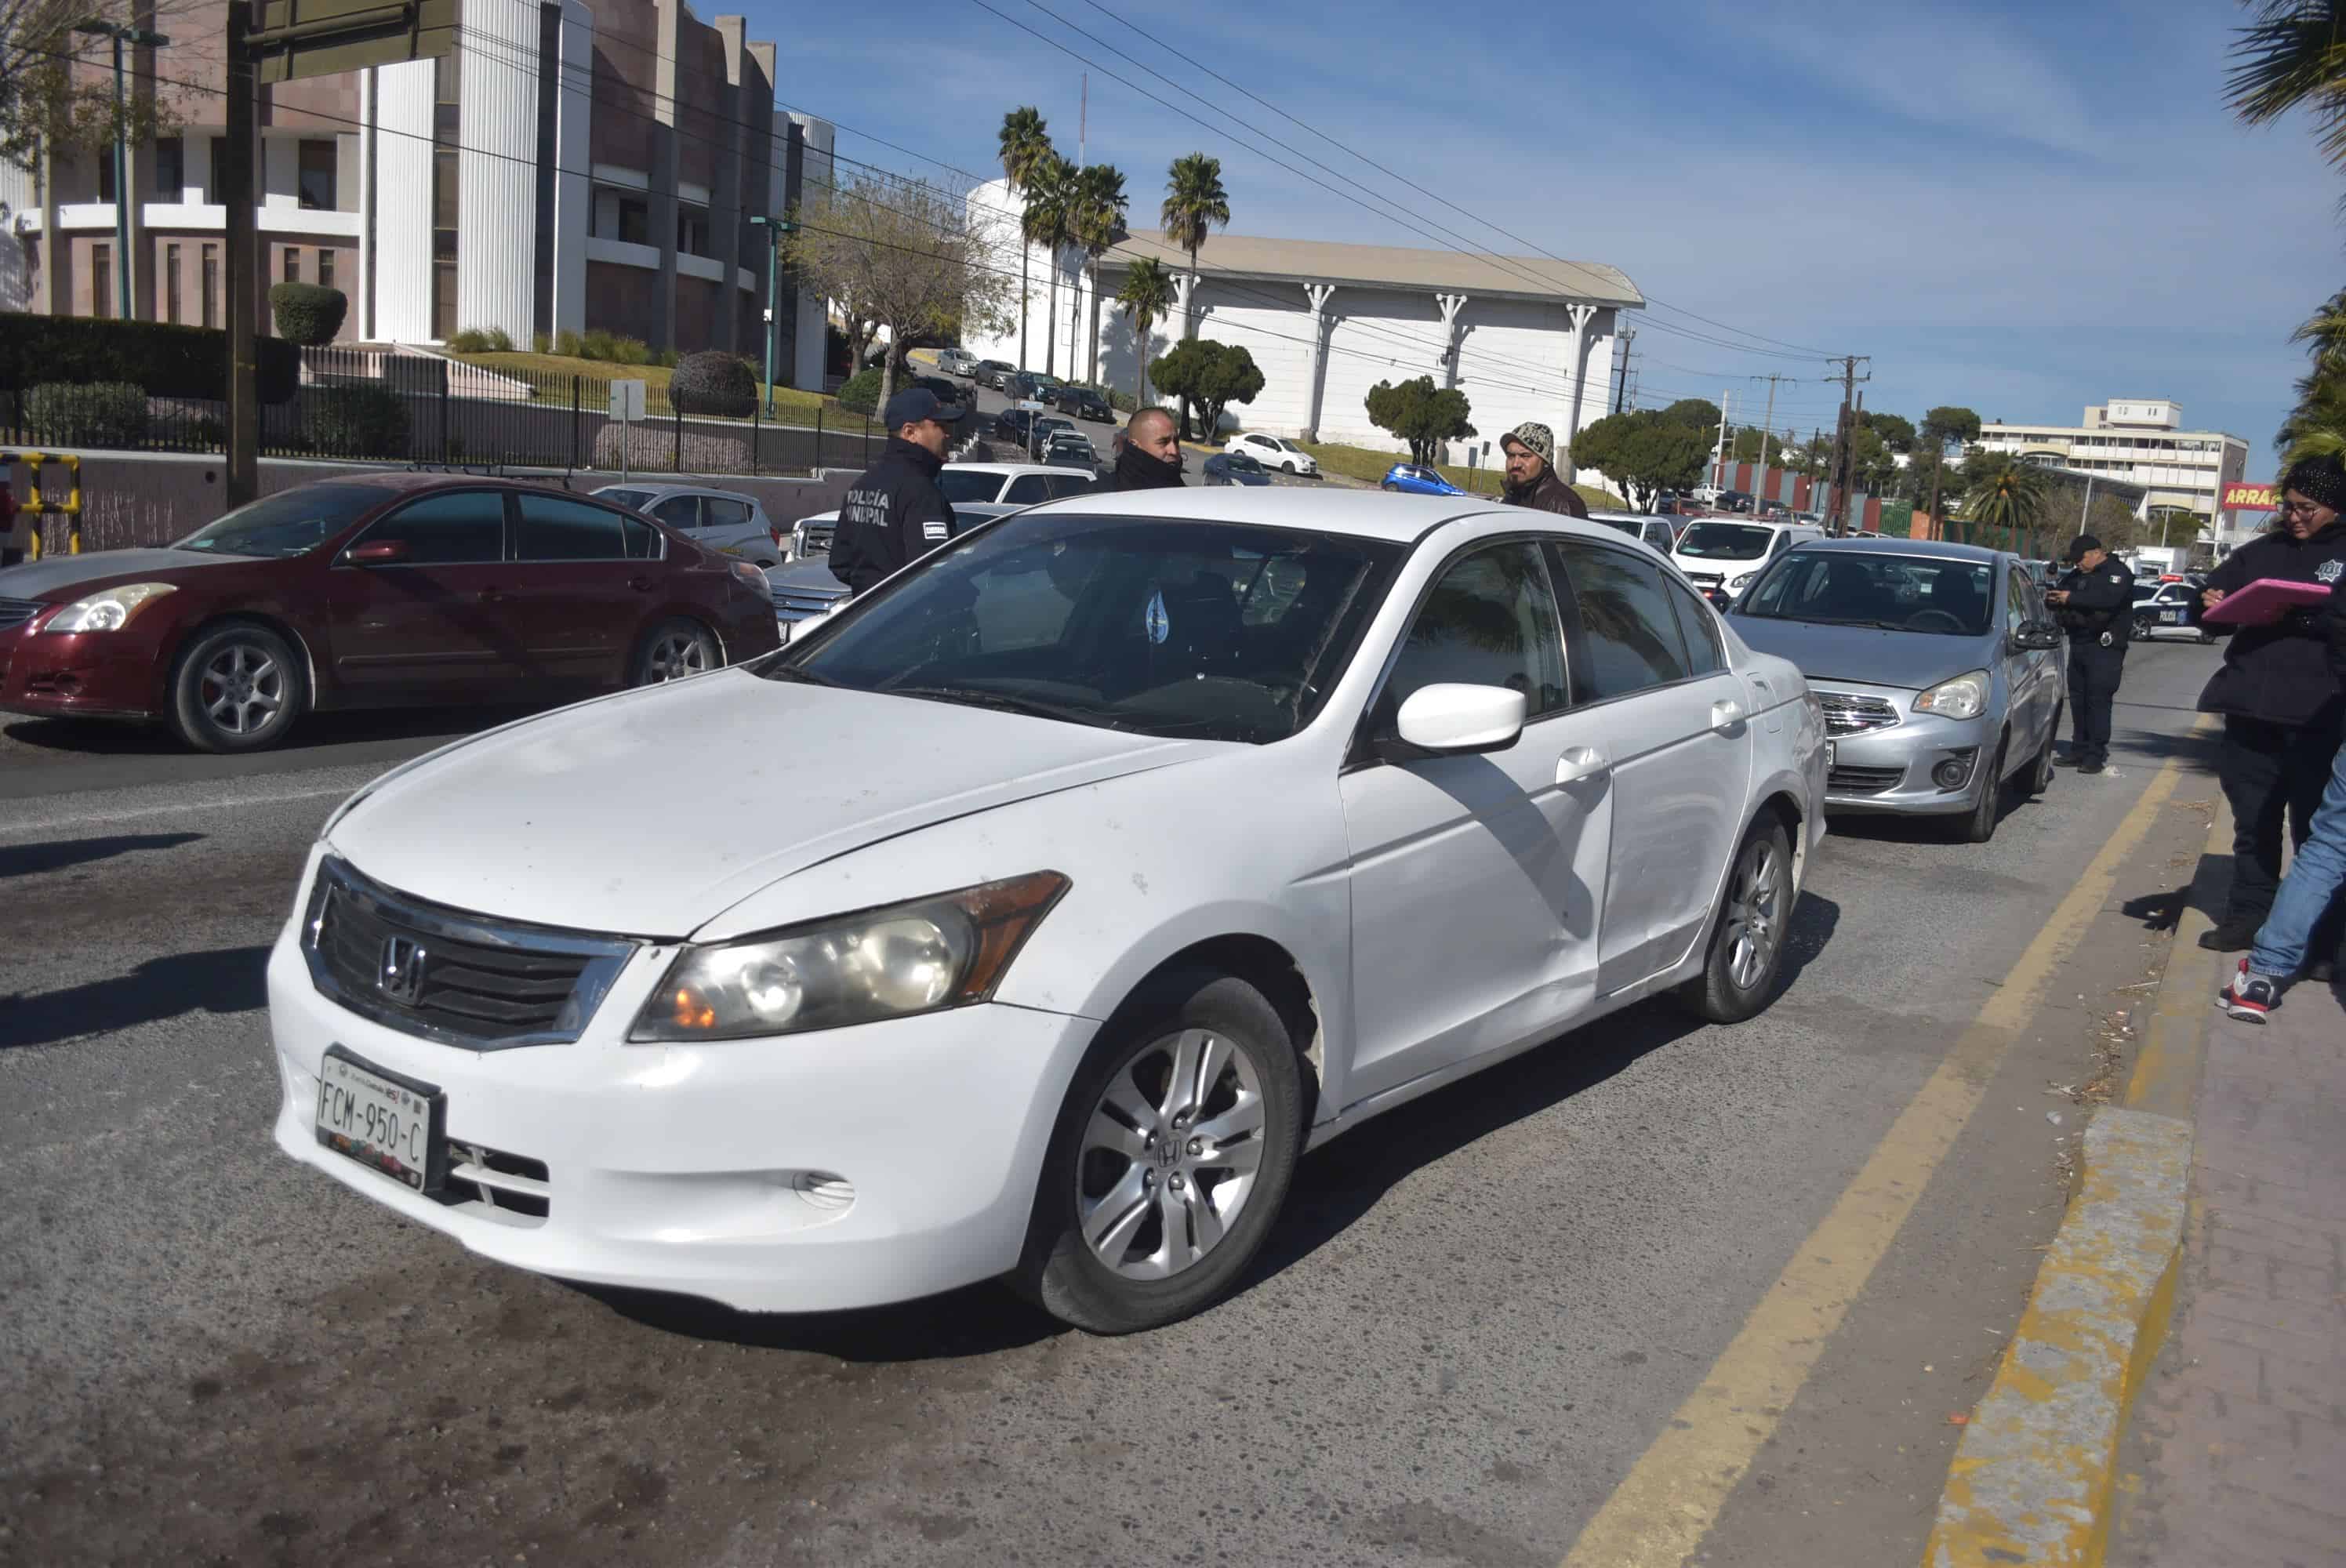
x,y
452,529
2017,598
1490,620
679,510
553,529
641,540
1071,484
1705,653
1027,489
725,513
1628,635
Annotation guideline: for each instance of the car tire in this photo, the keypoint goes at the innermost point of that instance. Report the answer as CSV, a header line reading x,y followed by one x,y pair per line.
x,y
2040,772
1110,1160
2145,627
237,687
1978,825
673,650
1395,488
1741,966
1288,467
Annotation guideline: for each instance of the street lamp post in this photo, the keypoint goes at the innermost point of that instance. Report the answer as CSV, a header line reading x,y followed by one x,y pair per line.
x,y
99,26
776,230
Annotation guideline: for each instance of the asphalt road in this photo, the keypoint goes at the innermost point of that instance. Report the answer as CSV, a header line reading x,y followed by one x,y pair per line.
x,y
1476,1315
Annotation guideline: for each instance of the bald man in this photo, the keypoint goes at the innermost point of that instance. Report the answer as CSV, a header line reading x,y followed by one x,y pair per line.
x,y
1151,454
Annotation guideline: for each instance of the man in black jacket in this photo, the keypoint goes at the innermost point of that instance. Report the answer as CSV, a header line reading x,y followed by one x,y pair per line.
x,y
2281,702
894,513
2096,605
1148,453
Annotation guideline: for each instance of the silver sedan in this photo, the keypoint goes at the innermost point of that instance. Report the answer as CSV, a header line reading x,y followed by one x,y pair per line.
x,y
1940,671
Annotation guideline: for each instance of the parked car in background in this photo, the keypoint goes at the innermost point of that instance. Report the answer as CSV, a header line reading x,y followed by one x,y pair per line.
x,y
966,484
806,590
1107,860
1418,479
990,372
1721,556
1275,452
956,361
1065,449
377,590
1032,386
2168,609
1732,501
1938,669
1647,529
1084,402
726,521
1234,468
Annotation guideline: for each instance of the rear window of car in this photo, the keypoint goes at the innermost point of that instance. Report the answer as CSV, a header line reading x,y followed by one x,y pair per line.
x,y
964,484
553,529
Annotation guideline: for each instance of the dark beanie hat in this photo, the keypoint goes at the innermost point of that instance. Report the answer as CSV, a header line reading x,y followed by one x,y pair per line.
x,y
2322,479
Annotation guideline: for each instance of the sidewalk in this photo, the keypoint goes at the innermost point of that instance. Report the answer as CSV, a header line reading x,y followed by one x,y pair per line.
x,y
2237,1455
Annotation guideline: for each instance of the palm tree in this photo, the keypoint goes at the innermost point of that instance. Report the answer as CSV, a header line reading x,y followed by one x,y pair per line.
x,y
2293,55
1049,221
2004,494
2317,425
1026,143
1147,291
1097,223
1195,205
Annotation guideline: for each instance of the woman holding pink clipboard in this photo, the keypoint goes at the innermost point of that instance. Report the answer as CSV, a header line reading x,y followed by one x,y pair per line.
x,y
2281,702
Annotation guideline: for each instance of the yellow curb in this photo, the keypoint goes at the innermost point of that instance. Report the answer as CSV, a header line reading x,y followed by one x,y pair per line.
x,y
2165,1077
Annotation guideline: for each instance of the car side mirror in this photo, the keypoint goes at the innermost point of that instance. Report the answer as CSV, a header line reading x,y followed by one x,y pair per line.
x,y
378,553
1452,717
2037,638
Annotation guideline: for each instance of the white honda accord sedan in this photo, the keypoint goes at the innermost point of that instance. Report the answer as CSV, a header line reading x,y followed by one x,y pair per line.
x,y
1119,850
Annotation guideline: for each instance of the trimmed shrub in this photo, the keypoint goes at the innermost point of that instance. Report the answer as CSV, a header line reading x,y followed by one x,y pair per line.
x,y
309,314
101,413
361,421
539,344
712,382
481,340
667,358
860,392
566,342
164,360
599,344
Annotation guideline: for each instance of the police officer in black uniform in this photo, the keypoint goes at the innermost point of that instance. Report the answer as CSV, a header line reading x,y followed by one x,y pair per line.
x,y
894,513
2095,602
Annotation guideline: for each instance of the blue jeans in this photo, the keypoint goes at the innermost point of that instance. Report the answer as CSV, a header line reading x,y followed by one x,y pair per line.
x,y
2315,875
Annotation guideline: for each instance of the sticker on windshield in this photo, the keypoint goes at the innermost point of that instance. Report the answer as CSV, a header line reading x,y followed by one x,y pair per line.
x,y
1160,625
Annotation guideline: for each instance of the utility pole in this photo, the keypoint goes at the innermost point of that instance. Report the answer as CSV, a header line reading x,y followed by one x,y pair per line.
x,y
138,38
1719,478
1767,426
1621,398
241,242
778,232
1845,438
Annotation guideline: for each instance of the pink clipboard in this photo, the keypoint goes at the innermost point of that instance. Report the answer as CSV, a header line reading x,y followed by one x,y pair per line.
x,y
2266,600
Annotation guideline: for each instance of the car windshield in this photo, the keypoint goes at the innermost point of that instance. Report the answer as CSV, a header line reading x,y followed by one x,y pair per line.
x,y
1725,541
1899,592
960,485
287,523
1173,627
635,498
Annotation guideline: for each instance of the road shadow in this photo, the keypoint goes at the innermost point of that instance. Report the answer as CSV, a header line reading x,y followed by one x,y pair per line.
x,y
2158,912
95,738
2198,751
32,860
978,1321
222,981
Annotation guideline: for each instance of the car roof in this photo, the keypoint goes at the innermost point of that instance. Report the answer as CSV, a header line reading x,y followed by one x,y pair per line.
x,y
650,489
1007,469
1398,518
1936,549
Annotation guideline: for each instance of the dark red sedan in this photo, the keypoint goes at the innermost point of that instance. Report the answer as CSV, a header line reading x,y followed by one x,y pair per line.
x,y
374,591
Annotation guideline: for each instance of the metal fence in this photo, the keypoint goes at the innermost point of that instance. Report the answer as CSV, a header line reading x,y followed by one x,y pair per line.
x,y
393,405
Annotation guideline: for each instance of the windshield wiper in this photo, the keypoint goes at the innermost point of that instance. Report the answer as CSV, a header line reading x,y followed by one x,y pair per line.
x,y
1003,702
800,673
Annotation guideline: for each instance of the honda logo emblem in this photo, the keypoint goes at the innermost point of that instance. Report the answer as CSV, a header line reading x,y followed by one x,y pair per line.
x,y
401,975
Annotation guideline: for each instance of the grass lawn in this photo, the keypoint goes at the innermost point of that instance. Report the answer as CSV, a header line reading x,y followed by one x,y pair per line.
x,y
1360,462
551,374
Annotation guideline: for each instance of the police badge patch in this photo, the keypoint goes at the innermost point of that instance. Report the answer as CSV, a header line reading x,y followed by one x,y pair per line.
x,y
2329,570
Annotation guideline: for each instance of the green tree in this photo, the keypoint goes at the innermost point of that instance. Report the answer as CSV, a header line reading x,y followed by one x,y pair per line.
x,y
1950,426
1642,451
1747,448
1195,205
2292,56
42,103
1210,375
1025,142
2004,498
1896,431
1095,224
2317,425
1699,413
1420,414
1947,426
1050,222
1147,291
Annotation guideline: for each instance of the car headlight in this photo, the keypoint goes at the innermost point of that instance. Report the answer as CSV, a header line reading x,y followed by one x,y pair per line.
x,y
109,610
1966,696
919,957
1736,582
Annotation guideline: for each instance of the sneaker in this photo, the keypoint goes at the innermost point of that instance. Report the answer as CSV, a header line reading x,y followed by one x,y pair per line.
x,y
2250,995
2090,768
2232,936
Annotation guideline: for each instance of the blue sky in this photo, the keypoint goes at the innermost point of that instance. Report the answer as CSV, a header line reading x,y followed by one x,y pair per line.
x,y
2023,208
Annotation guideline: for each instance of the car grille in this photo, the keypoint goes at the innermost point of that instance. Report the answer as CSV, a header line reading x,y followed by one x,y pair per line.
x,y
16,612
515,1188
799,602
818,538
440,974
1846,714
1862,780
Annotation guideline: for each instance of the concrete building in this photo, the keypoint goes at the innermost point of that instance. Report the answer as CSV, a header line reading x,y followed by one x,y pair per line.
x,y
1525,338
2142,443
571,166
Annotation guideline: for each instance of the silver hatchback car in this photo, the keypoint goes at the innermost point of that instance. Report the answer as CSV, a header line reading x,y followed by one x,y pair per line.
x,y
723,520
1940,673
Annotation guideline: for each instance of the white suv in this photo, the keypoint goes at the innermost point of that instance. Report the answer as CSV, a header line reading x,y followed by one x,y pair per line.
x,y
1720,556
1275,452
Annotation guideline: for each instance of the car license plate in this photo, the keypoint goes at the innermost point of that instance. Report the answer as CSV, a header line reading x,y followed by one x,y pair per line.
x,y
387,1123
1832,750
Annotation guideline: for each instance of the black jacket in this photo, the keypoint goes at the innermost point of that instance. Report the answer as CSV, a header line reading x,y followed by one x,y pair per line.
x,y
2285,673
893,513
1546,494
2101,600
1135,470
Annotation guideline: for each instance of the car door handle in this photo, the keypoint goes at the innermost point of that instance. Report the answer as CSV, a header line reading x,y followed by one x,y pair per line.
x,y
1579,762
641,585
493,595
1726,713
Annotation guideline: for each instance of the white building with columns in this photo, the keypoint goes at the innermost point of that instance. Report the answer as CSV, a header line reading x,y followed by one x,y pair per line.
x,y
1525,338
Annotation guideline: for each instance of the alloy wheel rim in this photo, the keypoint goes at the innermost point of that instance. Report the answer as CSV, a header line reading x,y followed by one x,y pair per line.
x,y
1755,926
1170,1155
242,688
678,655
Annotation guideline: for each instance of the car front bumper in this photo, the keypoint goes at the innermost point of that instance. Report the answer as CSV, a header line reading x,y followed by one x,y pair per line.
x,y
1895,770
836,1169
82,674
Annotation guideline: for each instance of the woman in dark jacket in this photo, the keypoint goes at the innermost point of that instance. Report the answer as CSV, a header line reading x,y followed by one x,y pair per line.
x,y
2282,707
